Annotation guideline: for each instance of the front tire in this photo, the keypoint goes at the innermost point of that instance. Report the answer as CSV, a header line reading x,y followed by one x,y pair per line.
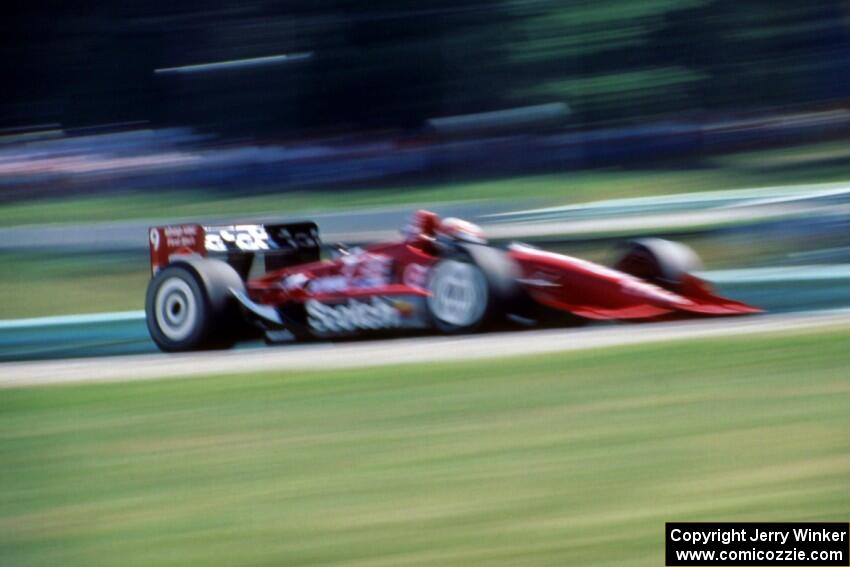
x,y
662,262
459,296
474,287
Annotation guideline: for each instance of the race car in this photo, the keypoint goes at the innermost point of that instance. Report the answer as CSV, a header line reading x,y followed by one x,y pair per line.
x,y
213,286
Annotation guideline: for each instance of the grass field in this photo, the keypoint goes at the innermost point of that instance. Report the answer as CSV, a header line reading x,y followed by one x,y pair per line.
x,y
571,459
40,285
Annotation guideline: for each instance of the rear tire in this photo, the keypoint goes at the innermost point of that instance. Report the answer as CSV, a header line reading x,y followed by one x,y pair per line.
x,y
189,306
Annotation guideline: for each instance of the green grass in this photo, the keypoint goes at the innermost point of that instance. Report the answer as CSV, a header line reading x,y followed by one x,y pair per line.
x,y
805,164
570,459
51,284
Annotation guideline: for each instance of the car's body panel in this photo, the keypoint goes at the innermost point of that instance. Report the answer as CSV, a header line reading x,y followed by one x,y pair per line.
x,y
559,282
594,291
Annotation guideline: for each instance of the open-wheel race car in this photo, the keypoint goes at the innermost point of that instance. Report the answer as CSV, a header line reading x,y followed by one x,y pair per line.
x,y
213,286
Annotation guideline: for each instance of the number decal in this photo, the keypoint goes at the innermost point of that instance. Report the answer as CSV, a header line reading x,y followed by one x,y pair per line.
x,y
155,238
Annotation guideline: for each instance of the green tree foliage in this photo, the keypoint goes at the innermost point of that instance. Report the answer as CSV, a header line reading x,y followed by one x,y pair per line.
x,y
614,59
395,63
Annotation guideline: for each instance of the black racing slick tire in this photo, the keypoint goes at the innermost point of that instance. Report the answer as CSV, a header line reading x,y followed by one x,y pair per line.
x,y
472,289
189,306
662,262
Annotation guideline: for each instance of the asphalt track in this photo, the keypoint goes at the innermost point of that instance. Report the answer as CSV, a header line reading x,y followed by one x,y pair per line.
x,y
322,356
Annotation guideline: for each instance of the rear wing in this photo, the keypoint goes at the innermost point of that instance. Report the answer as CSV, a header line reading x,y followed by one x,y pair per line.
x,y
279,245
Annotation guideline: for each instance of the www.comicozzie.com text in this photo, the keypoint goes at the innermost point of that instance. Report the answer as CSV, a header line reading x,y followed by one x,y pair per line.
x,y
755,534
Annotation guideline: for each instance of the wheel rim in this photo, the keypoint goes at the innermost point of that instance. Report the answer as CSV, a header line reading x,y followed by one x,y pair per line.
x,y
458,293
176,309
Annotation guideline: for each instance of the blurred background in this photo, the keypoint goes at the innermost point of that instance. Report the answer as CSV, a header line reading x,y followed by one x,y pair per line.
x,y
513,113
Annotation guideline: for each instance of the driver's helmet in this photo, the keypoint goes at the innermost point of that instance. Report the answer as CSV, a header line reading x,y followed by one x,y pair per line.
x,y
460,230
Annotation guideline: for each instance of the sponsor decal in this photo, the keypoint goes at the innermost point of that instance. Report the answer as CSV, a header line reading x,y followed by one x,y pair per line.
x,y
360,270
378,313
416,275
176,236
295,281
329,284
247,237
365,269
298,239
404,308
181,230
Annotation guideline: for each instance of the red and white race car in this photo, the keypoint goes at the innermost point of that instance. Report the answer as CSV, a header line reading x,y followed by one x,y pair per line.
x,y
215,285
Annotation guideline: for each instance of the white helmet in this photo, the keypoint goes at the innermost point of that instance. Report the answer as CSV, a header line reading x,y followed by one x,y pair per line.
x,y
459,229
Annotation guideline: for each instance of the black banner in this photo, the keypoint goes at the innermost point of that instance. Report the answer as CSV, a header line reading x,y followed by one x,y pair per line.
x,y
693,544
